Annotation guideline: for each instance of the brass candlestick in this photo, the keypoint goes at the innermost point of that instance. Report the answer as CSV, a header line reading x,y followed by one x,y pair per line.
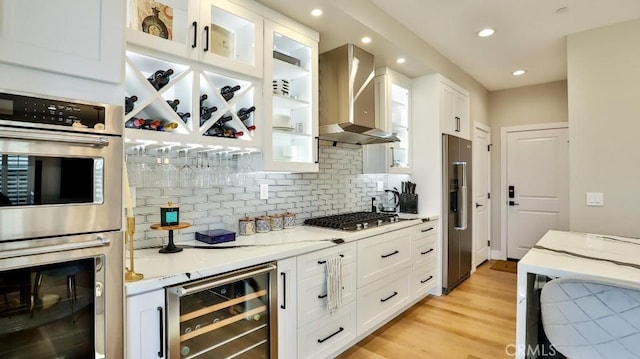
x,y
130,275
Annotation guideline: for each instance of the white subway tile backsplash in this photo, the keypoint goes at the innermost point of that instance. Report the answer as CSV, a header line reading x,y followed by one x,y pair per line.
x,y
339,186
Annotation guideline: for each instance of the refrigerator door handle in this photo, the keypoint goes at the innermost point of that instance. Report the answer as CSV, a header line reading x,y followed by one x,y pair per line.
x,y
461,214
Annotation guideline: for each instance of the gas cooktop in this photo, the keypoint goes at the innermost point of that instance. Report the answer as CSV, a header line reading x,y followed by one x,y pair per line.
x,y
354,221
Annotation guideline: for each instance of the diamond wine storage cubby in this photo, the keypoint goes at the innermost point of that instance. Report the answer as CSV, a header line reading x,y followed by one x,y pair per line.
x,y
152,118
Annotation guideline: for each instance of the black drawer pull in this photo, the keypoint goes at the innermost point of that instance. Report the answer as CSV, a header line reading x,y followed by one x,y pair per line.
x,y
390,254
161,317
427,230
284,290
330,336
322,296
195,34
323,262
206,39
389,297
429,251
426,280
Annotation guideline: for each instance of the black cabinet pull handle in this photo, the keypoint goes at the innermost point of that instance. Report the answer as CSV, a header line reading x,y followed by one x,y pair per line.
x,y
389,297
390,254
206,39
323,262
195,34
330,336
457,124
429,251
393,157
284,291
426,280
161,317
322,296
317,149
427,229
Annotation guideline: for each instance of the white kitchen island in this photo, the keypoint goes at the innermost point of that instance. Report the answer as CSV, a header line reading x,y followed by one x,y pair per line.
x,y
563,254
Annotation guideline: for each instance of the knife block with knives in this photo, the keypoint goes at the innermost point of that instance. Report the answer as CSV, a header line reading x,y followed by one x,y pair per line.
x,y
408,198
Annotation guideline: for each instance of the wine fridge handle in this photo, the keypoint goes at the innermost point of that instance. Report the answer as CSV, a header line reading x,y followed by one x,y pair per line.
x,y
195,34
36,135
206,39
212,283
317,149
161,322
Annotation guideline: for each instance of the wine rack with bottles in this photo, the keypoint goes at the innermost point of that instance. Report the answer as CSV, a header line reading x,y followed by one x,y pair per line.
x,y
183,102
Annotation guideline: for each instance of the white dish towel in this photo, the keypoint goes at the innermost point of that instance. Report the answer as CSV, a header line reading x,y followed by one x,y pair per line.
x,y
334,283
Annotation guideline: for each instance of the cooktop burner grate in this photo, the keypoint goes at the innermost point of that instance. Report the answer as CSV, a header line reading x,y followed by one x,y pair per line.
x,y
353,221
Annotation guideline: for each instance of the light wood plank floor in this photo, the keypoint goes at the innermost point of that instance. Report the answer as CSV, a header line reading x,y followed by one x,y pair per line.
x,y
477,320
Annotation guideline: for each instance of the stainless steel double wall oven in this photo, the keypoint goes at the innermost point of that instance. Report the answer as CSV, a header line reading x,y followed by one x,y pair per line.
x,y
61,251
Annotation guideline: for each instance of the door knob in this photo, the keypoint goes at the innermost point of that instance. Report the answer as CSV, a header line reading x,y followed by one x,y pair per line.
x,y
478,205
513,203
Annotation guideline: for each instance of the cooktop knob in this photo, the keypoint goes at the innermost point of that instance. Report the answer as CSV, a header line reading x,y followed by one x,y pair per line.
x,y
365,225
380,222
358,226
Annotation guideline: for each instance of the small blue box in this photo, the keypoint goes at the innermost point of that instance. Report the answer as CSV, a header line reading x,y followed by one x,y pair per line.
x,y
214,236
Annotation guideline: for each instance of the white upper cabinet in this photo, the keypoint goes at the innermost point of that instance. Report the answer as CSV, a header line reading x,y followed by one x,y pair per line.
x,y
81,38
290,100
216,32
454,109
393,93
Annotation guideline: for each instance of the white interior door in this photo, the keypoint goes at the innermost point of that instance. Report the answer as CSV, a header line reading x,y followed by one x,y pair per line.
x,y
481,189
538,186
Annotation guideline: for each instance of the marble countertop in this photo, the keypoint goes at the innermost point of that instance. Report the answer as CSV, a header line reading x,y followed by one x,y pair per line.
x,y
162,270
562,253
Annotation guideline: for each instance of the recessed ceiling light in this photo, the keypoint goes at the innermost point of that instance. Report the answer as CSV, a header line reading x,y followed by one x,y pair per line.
x,y
366,40
518,72
486,32
401,60
316,12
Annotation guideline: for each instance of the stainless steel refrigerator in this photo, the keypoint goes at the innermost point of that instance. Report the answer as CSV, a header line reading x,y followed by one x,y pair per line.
x,y
457,241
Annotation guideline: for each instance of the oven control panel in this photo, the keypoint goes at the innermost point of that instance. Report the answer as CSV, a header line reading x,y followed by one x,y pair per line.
x,y
36,110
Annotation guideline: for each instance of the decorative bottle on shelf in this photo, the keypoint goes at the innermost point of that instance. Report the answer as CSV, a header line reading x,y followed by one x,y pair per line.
x,y
128,103
160,78
227,92
244,114
174,104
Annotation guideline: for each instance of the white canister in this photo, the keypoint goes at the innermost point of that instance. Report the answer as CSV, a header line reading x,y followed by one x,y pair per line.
x,y
247,226
289,220
263,224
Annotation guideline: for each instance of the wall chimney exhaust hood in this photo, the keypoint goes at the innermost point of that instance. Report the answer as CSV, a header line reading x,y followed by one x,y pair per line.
x,y
347,97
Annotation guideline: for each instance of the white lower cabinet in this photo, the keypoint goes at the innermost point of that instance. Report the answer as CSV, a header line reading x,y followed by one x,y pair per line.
x,y
312,293
287,304
424,249
323,337
383,254
378,301
146,326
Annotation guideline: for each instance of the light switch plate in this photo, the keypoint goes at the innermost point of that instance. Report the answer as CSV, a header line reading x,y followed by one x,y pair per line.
x,y
379,186
264,191
595,199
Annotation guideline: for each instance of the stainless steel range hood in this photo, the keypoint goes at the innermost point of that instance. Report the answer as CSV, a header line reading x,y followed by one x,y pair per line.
x,y
347,97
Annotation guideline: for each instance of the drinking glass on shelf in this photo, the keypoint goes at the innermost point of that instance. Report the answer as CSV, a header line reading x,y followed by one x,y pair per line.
x,y
187,173
169,171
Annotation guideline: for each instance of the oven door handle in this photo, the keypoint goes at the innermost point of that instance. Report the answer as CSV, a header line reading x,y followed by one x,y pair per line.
x,y
97,242
37,135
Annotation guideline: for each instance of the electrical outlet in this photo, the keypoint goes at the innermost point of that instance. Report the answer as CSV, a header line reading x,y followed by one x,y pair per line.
x,y
595,199
379,186
264,191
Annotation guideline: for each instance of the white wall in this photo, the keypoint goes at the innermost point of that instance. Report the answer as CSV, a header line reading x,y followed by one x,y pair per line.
x,y
517,107
604,121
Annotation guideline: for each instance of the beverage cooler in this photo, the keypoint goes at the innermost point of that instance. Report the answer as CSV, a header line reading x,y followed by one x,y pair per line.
x,y
227,316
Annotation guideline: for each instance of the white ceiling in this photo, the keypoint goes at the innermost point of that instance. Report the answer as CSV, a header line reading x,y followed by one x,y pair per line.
x,y
529,34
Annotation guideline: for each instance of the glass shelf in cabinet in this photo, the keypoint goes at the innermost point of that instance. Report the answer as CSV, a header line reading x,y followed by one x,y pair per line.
x,y
281,101
285,70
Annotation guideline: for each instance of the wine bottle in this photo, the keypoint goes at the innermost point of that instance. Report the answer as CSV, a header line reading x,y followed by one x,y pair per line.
x,y
205,113
174,104
244,113
128,103
227,92
167,126
184,116
133,122
160,78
